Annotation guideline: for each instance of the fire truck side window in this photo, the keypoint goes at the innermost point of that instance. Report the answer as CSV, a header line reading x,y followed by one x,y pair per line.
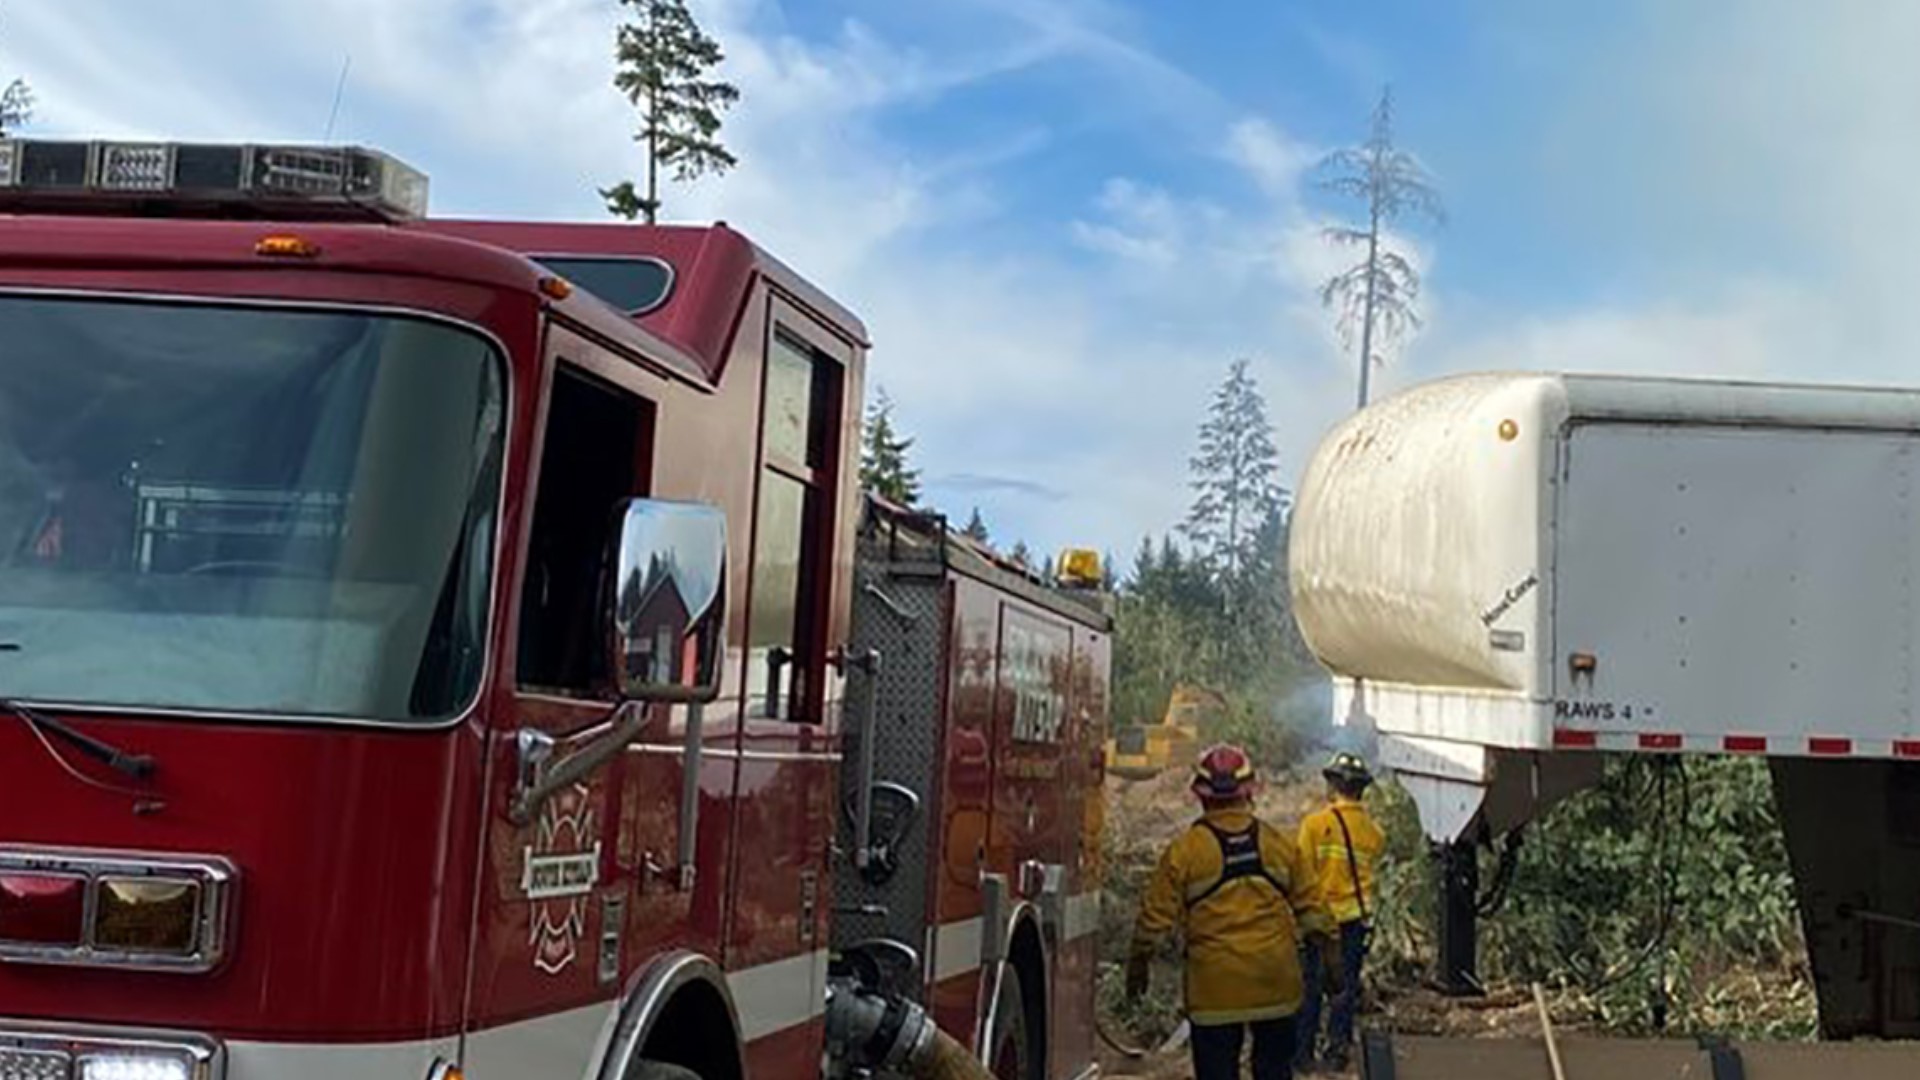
x,y
783,630
589,464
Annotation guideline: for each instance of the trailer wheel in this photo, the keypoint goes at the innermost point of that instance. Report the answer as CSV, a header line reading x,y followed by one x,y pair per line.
x,y
646,1069
1010,1053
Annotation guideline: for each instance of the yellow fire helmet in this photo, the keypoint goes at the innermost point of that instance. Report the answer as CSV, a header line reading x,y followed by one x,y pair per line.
x,y
1349,769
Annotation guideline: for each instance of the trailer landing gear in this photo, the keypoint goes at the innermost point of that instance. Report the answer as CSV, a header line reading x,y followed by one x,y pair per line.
x,y
1459,878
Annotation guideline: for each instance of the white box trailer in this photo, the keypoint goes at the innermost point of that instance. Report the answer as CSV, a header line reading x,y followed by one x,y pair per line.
x,y
1509,572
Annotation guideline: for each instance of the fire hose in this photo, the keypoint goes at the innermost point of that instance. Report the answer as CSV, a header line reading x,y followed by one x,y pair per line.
x,y
892,1034
1131,1053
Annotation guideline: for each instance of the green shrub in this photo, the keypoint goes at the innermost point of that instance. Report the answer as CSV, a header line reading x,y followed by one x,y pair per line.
x,y
1670,873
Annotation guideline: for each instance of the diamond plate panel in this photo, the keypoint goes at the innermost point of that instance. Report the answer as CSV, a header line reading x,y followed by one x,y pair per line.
x,y
899,610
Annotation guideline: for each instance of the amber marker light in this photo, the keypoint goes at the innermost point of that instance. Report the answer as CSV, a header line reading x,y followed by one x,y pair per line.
x,y
156,915
1509,431
555,288
286,246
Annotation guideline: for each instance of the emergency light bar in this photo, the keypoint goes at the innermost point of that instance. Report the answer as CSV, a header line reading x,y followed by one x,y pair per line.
x,y
39,175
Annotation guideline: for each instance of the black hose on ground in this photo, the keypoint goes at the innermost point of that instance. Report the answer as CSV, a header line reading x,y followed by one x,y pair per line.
x,y
1131,1053
1489,903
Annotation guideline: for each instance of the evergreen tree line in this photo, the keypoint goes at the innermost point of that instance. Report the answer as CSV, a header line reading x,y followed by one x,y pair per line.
x,y
1207,605
1204,605
886,470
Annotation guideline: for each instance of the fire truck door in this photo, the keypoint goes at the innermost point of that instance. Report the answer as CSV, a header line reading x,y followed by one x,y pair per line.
x,y
779,899
572,898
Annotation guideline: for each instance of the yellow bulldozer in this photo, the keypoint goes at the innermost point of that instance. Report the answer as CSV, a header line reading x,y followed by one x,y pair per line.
x,y
1143,751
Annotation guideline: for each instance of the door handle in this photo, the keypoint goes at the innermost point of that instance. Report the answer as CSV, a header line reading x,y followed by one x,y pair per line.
x,y
778,657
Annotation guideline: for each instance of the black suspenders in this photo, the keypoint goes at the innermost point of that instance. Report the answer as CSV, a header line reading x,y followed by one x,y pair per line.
x,y
1239,858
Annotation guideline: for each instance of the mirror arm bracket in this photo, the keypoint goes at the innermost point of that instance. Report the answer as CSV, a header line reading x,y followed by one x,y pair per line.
x,y
691,759
538,784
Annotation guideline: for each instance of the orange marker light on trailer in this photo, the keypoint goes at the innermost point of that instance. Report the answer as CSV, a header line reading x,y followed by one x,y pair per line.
x,y
556,288
286,246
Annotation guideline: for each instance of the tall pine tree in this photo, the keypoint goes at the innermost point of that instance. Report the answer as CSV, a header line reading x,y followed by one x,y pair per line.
x,y
1234,485
976,529
663,62
883,455
1213,612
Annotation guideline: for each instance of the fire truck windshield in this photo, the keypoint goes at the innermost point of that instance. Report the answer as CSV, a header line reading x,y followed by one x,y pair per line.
x,y
245,510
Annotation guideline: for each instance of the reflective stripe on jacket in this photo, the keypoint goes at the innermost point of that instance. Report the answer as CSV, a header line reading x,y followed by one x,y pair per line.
x,y
1243,937
1326,849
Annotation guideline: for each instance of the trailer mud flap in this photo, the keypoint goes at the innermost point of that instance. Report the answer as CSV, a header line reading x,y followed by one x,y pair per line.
x,y
1408,1057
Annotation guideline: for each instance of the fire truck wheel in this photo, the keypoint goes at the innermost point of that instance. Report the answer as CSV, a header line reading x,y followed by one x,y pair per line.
x,y
1011,1053
660,1070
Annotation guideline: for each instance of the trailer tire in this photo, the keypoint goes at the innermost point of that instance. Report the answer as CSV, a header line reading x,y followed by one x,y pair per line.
x,y
1010,1050
646,1069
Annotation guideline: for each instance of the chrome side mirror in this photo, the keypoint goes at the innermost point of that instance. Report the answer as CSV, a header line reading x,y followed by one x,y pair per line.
x,y
669,602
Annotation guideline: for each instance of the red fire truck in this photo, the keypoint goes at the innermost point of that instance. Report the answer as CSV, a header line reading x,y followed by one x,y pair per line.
x,y
433,648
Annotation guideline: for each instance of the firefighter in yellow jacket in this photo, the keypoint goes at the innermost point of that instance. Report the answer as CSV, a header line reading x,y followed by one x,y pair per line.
x,y
1245,897
1343,844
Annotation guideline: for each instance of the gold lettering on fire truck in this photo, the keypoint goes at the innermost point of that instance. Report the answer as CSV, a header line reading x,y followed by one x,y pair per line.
x,y
1021,768
1038,708
558,874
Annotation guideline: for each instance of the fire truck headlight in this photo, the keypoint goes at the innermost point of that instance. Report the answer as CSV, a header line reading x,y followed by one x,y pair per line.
x,y
149,915
35,1064
136,1065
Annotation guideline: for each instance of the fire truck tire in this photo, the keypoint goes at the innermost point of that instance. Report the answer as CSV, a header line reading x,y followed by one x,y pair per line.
x,y
1010,1051
660,1070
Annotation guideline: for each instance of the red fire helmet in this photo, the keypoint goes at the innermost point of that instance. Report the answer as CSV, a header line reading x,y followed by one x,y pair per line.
x,y
1224,773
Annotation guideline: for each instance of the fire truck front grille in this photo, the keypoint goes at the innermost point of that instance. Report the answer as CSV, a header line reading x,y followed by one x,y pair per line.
x,y
18,1063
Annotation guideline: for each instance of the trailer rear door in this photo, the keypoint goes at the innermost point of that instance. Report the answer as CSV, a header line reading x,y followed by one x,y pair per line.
x,y
1744,582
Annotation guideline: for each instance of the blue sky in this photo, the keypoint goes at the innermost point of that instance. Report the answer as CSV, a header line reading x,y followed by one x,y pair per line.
x,y
1063,219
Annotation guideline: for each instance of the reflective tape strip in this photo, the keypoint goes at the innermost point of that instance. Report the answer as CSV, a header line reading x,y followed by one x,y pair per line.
x,y
328,1061
770,998
1674,742
1082,916
565,1043
774,997
955,948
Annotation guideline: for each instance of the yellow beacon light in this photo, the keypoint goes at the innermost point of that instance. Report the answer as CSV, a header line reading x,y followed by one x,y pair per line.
x,y
1080,567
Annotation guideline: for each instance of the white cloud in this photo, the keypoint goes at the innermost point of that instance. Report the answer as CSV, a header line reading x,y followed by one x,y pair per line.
x,y
1764,165
1057,381
1753,330
1274,159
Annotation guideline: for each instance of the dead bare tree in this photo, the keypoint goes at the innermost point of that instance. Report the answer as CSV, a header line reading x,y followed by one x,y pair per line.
x,y
1375,297
16,105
